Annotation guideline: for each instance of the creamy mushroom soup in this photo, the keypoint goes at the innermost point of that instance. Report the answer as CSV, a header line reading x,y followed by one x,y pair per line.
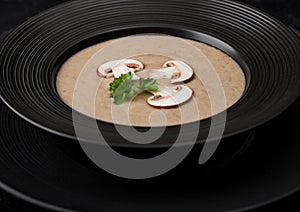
x,y
216,77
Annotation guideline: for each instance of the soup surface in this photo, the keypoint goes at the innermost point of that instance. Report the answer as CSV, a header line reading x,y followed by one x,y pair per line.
x,y
218,81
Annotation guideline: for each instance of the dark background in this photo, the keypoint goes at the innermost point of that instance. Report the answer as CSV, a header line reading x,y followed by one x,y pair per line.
x,y
14,12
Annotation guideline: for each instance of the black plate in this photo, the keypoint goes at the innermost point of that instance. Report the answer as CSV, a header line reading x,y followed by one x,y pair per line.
x,y
32,54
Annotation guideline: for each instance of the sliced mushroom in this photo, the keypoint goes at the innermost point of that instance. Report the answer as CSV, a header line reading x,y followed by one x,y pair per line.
x,y
183,71
175,70
117,67
158,74
170,96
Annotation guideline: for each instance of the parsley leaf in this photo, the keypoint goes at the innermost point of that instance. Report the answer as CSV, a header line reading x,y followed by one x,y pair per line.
x,y
118,81
148,85
123,88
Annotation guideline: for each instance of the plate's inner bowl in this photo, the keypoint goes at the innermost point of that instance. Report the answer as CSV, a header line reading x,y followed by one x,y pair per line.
x,y
217,84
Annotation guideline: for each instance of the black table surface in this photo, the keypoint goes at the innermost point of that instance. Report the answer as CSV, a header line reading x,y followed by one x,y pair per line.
x,y
14,12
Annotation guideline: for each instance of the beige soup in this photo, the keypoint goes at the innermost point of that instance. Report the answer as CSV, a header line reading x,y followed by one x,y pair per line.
x,y
218,83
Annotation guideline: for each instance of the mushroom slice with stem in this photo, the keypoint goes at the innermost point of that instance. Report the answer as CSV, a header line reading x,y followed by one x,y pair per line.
x,y
170,96
173,70
182,71
114,69
168,73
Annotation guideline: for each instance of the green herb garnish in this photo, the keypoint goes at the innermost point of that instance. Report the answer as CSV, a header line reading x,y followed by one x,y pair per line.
x,y
123,88
148,85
